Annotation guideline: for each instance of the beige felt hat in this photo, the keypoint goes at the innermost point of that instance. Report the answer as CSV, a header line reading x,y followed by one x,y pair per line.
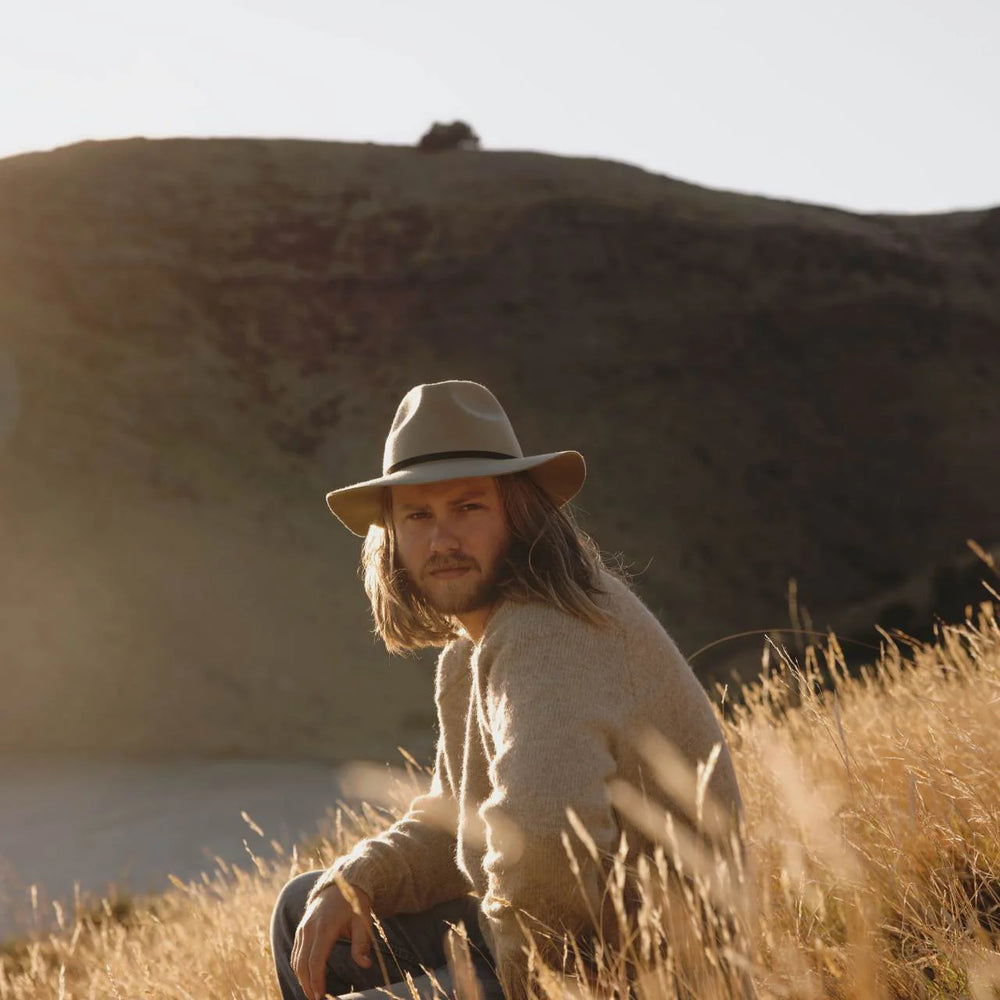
x,y
452,430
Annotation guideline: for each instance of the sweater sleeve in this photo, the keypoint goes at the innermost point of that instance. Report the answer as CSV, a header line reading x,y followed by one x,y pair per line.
x,y
551,697
411,866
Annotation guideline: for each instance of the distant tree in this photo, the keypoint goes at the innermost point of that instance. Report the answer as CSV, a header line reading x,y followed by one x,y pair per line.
x,y
455,135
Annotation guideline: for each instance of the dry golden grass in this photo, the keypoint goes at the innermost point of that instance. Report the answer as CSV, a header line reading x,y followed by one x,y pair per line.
x,y
872,870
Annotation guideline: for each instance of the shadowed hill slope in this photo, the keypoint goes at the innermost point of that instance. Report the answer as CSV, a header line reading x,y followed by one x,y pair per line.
x,y
198,338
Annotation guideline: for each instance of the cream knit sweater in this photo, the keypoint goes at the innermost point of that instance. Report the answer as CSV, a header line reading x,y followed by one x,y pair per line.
x,y
541,716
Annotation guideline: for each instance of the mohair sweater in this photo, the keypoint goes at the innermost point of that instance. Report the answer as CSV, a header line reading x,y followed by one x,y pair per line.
x,y
539,717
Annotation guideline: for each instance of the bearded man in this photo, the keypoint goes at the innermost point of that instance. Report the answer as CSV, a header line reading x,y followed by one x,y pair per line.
x,y
552,671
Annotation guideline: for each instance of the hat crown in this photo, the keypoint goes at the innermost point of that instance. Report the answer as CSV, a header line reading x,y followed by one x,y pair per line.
x,y
448,419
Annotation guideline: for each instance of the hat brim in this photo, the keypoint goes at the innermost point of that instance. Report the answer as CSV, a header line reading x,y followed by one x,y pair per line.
x,y
560,474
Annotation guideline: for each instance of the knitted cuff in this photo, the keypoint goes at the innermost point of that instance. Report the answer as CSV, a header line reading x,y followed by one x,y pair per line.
x,y
351,872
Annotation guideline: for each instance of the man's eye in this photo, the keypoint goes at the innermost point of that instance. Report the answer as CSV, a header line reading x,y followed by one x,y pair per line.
x,y
416,515
472,506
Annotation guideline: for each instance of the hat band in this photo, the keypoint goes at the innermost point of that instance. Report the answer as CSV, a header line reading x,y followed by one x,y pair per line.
x,y
437,456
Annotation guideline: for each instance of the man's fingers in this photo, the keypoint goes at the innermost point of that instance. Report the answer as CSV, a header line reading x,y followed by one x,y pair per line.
x,y
316,970
308,960
295,959
328,918
361,941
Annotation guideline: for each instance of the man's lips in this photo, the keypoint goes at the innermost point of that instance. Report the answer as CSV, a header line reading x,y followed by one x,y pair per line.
x,y
448,574
449,571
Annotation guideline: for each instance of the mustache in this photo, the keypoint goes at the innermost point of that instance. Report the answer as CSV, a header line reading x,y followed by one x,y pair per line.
x,y
438,563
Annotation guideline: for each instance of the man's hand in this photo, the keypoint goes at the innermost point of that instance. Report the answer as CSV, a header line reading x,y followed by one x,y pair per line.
x,y
328,918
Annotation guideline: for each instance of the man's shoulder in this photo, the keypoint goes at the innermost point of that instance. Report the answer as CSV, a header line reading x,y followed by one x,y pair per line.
x,y
537,650
628,628
543,621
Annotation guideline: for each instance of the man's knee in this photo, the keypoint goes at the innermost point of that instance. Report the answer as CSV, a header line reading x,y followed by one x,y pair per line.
x,y
289,908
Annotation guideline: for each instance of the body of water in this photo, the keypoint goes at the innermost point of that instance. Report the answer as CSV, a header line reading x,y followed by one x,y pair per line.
x,y
130,824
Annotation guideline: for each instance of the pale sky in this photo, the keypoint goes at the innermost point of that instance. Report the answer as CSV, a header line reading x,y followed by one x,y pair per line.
x,y
889,105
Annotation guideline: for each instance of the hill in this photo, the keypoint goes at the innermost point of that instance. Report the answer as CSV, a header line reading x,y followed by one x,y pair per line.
x,y
199,338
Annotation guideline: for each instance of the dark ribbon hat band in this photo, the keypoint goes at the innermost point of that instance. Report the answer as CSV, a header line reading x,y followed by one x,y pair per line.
x,y
439,456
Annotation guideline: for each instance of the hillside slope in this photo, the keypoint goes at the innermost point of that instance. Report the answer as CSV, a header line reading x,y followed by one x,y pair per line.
x,y
198,338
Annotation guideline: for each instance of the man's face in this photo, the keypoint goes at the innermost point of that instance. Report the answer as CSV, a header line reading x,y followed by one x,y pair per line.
x,y
451,538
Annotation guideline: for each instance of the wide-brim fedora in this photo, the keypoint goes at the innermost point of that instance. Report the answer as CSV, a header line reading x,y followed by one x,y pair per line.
x,y
452,430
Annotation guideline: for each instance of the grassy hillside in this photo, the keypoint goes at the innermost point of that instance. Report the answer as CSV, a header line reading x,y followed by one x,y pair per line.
x,y
199,338
873,868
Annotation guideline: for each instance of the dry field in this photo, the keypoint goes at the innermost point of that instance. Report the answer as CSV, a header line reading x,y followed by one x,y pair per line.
x,y
873,869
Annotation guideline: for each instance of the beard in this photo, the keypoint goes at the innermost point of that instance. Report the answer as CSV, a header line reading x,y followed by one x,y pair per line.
x,y
477,588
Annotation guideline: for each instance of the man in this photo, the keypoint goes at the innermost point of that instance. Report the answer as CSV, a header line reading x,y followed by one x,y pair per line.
x,y
552,676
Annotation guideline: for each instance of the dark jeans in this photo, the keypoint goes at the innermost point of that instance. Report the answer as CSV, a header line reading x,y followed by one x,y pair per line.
x,y
415,945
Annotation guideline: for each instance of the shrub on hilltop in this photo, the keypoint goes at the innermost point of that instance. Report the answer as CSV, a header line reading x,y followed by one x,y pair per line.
x,y
454,135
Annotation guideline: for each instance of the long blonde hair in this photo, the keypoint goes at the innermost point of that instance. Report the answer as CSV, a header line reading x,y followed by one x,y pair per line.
x,y
550,560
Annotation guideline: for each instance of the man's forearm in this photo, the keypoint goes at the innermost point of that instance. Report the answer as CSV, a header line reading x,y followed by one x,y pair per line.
x,y
408,868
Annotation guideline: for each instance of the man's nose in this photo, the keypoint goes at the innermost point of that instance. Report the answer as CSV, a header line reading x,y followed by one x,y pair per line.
x,y
443,538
